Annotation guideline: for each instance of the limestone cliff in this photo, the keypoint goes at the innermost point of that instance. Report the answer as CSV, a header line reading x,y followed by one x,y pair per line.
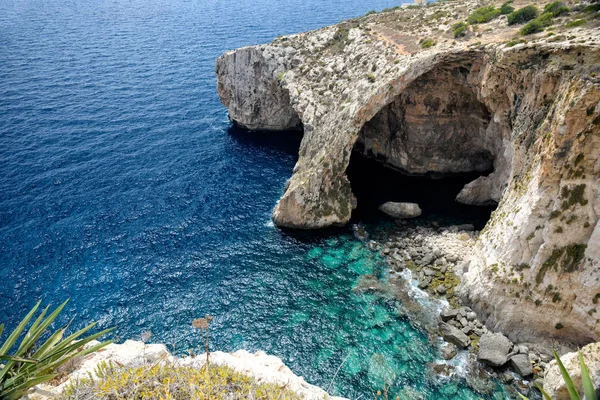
x,y
262,367
526,114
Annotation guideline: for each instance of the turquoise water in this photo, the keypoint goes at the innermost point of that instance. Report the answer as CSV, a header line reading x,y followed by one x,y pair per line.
x,y
124,187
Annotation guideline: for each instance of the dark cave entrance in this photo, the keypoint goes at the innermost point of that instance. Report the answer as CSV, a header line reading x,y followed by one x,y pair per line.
x,y
424,147
374,184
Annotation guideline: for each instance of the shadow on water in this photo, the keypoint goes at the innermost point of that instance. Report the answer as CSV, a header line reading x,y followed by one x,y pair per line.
x,y
374,184
288,142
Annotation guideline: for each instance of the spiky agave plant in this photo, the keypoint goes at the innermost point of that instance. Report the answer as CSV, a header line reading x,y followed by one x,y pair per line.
x,y
586,381
32,363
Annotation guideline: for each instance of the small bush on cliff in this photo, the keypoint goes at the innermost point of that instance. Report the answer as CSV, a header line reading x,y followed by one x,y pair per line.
x,y
459,29
538,24
507,8
532,27
482,15
168,381
33,362
427,43
523,15
576,23
556,8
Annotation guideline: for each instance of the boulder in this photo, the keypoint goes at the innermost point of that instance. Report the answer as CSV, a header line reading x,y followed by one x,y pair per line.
x,y
494,349
521,363
448,314
553,381
454,335
400,210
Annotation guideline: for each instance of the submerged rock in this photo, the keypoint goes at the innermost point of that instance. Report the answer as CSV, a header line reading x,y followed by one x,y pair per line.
x,y
494,349
400,210
448,351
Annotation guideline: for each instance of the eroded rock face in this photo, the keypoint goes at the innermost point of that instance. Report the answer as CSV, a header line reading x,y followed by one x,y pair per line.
x,y
531,112
250,88
435,125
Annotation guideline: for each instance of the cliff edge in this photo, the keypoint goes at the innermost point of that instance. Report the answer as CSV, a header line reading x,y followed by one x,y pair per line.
x,y
398,86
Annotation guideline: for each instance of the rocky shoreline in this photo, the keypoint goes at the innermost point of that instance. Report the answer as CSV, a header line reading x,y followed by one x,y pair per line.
x,y
403,88
434,254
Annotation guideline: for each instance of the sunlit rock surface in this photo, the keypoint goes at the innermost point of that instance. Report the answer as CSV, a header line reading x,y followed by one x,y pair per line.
x,y
528,112
261,366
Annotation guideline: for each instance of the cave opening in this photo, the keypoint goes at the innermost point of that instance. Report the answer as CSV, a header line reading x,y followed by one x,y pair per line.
x,y
374,183
424,147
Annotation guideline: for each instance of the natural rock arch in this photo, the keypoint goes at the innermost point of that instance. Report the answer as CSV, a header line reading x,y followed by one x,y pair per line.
x,y
436,125
543,102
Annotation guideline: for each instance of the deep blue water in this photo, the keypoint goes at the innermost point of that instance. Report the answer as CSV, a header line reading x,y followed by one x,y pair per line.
x,y
124,188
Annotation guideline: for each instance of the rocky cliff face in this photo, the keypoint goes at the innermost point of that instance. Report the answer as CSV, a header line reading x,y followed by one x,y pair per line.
x,y
529,113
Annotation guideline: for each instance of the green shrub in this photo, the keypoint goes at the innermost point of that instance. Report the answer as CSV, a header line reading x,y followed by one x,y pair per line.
x,y
482,15
576,23
371,78
459,29
515,42
371,12
168,381
523,15
532,27
506,8
427,43
556,8
592,8
32,362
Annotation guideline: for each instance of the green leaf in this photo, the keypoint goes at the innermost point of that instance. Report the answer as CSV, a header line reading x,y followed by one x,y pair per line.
x,y
18,330
568,381
18,391
20,359
13,338
39,330
1,329
544,394
586,380
50,343
523,397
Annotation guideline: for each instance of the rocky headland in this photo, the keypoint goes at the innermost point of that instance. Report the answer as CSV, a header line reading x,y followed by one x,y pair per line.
x,y
398,86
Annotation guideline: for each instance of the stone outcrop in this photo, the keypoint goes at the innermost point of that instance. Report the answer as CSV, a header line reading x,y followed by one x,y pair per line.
x,y
261,366
400,210
250,89
554,384
527,116
494,349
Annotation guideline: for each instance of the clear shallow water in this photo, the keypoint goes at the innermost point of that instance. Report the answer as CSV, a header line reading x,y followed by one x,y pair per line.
x,y
123,187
